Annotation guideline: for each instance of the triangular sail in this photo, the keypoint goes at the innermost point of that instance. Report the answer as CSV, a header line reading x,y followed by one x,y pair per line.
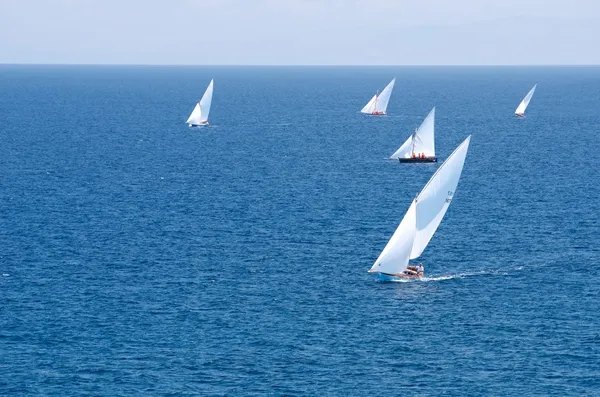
x,y
424,137
200,113
384,97
195,116
405,150
421,142
206,101
525,102
394,257
370,106
433,201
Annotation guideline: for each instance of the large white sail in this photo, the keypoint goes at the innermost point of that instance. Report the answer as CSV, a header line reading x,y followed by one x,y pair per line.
x,y
525,102
195,116
405,150
206,101
436,196
200,113
394,257
422,141
423,216
370,106
384,97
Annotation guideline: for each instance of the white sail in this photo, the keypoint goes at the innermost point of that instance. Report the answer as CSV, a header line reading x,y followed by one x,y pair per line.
x,y
422,141
378,104
384,97
394,257
206,101
405,150
200,113
525,102
436,196
195,116
423,216
424,137
370,106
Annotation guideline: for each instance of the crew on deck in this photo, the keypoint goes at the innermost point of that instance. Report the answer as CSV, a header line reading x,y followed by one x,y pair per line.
x,y
414,270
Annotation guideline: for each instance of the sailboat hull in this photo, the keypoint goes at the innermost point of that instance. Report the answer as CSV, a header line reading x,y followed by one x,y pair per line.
x,y
378,114
198,125
398,277
520,116
418,160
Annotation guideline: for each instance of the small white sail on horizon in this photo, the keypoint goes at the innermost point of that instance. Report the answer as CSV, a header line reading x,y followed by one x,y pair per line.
x,y
520,111
423,216
422,141
199,116
378,104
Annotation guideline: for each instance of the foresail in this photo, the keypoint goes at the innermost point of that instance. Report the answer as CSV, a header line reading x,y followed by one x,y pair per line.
x,y
433,201
525,102
424,137
206,101
384,97
404,151
394,257
370,106
195,117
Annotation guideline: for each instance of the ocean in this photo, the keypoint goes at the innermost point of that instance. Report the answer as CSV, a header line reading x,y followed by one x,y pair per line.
x,y
141,257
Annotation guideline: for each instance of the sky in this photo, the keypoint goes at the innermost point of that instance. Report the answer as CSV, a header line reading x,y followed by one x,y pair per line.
x,y
301,32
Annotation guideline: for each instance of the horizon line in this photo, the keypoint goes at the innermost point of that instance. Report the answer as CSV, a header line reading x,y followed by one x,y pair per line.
x,y
297,65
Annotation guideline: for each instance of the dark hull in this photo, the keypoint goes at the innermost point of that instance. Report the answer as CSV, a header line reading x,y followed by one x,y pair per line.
x,y
418,160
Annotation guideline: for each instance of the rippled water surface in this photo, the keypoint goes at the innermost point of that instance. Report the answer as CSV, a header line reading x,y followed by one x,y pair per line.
x,y
141,257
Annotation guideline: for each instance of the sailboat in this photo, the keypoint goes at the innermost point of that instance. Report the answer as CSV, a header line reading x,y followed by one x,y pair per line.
x,y
520,112
378,104
420,146
421,220
199,116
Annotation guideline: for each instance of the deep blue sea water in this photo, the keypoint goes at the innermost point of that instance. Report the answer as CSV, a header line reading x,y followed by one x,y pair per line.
x,y
141,257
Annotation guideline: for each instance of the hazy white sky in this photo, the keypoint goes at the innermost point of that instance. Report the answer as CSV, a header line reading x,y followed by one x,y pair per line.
x,y
298,32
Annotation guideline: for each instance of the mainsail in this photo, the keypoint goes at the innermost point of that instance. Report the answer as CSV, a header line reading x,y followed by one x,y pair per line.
x,y
378,104
200,113
370,106
384,97
422,141
525,102
423,216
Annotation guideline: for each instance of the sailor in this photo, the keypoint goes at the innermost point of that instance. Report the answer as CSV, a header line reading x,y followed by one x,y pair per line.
x,y
420,268
411,270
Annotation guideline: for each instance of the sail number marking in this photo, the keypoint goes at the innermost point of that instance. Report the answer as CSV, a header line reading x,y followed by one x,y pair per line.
x,y
449,198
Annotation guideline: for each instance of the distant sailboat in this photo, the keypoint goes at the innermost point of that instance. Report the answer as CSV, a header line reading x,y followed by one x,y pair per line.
x,y
420,146
421,220
199,116
378,104
520,112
